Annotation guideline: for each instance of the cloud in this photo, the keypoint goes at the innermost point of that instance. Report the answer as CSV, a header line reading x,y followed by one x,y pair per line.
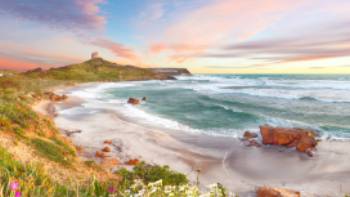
x,y
58,13
322,43
16,64
117,48
219,21
153,12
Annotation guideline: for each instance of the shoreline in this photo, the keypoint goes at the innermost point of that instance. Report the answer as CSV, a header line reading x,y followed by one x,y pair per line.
x,y
220,159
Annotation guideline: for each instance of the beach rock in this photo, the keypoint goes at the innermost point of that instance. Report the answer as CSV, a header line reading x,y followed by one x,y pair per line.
x,y
106,149
134,101
144,98
108,142
133,162
302,139
276,192
100,154
249,135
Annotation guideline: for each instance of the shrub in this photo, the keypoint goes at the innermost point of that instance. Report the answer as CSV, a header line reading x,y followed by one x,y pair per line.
x,y
150,173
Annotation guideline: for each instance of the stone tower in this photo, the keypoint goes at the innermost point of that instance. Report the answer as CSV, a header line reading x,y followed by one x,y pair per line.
x,y
94,55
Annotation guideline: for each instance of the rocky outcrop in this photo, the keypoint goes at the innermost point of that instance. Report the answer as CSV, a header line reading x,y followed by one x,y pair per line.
x,y
302,139
133,101
276,192
171,71
54,97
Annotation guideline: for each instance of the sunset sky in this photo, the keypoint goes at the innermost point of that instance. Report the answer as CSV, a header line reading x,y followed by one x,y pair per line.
x,y
205,36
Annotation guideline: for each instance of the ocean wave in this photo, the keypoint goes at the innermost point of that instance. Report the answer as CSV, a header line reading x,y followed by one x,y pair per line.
x,y
319,90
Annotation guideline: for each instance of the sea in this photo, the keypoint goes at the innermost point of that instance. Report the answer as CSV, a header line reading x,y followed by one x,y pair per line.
x,y
228,105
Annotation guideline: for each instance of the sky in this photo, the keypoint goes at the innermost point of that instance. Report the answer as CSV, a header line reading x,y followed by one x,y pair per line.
x,y
205,36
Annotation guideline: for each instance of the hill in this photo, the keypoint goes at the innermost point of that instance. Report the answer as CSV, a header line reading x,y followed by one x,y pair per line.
x,y
98,69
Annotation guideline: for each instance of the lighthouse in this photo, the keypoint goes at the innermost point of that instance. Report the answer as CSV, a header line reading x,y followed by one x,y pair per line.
x,y
94,55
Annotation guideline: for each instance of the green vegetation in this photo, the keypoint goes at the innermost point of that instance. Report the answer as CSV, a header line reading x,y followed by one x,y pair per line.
x,y
31,180
54,152
150,173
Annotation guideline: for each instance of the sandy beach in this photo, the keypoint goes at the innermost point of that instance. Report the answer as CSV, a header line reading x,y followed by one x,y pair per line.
x,y
218,159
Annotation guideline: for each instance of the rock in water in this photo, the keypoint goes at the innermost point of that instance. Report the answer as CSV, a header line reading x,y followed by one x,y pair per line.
x,y
249,135
134,101
303,140
276,192
144,98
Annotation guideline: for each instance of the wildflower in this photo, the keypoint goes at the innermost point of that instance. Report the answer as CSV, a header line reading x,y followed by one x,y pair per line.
x,y
18,194
14,185
111,190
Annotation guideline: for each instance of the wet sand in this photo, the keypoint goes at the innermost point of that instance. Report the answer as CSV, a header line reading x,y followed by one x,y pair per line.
x,y
218,159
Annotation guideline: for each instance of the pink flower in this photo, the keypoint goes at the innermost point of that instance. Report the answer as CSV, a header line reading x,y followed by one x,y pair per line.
x,y
14,185
111,189
18,194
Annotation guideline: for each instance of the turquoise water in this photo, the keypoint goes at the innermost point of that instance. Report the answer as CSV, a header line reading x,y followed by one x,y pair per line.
x,y
231,104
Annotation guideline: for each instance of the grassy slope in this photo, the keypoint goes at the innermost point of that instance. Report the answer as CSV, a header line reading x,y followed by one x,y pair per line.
x,y
31,147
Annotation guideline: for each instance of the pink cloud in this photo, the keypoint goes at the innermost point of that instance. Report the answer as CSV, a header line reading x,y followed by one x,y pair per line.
x,y
219,22
117,48
16,64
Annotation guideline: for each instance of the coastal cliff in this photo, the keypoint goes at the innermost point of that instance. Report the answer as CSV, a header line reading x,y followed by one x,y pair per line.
x,y
172,71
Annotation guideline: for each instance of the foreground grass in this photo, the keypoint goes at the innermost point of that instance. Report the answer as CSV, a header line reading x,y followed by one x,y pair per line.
x,y
33,181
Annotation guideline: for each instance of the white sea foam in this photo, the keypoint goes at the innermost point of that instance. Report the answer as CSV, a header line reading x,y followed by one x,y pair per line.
x,y
321,90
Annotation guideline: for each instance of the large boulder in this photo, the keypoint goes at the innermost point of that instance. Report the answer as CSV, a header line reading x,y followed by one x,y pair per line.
x,y
133,101
276,192
302,139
